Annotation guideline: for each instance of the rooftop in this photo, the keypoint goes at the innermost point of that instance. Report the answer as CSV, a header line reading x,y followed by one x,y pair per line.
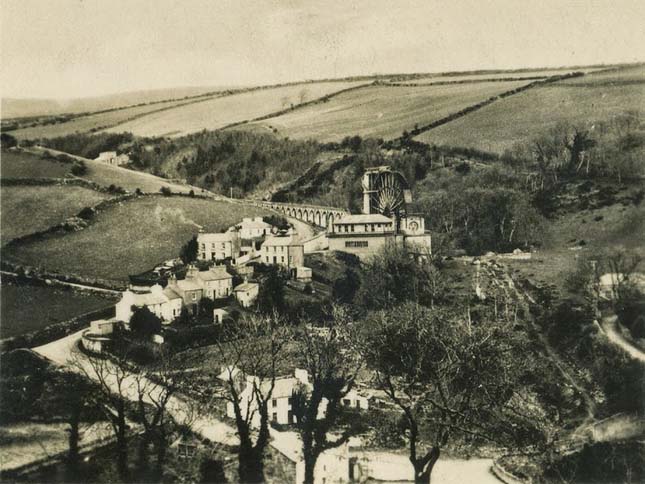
x,y
215,237
375,218
282,240
246,286
215,274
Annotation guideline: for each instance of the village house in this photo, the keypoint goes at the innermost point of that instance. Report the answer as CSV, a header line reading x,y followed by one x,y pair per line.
x,y
219,246
217,282
284,250
280,407
111,158
190,289
164,303
246,293
253,228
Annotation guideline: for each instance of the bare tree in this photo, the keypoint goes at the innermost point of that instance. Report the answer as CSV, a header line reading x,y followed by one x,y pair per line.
x,y
113,377
332,368
252,351
157,387
446,374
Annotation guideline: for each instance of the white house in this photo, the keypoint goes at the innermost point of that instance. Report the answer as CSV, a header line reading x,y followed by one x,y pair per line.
x,y
253,228
218,283
280,407
164,303
284,250
246,293
111,158
608,282
218,246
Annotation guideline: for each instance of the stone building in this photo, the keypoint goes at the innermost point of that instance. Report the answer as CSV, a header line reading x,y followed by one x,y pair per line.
x,y
385,218
284,250
111,158
218,246
217,282
253,228
164,303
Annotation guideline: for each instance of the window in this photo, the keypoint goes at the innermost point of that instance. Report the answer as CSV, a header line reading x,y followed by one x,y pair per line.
x,y
367,228
347,402
274,417
356,244
274,402
282,259
194,296
352,227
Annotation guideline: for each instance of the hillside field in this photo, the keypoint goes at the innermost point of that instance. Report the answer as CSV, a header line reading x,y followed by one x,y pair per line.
x,y
18,164
27,308
106,175
498,75
219,112
98,121
131,237
382,111
28,209
498,126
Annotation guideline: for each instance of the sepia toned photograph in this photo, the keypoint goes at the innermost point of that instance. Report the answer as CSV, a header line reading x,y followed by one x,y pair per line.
x,y
322,241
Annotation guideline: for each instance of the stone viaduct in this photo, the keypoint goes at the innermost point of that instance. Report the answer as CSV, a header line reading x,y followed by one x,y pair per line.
x,y
313,214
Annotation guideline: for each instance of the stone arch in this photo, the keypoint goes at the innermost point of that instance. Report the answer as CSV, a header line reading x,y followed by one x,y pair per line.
x,y
317,219
299,217
289,212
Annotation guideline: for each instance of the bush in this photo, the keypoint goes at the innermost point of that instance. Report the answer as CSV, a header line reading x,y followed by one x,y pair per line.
x,y
87,213
79,168
144,324
165,191
7,141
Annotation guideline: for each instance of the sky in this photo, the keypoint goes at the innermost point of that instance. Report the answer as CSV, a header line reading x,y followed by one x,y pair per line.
x,y
79,48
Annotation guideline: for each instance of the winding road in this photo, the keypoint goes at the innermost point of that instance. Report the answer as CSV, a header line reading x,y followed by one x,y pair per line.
x,y
609,326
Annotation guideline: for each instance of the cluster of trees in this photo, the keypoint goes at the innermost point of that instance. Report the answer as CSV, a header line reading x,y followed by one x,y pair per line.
x,y
611,148
89,146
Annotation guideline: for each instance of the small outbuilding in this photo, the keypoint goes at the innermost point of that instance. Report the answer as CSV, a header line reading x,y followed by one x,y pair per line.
x,y
246,293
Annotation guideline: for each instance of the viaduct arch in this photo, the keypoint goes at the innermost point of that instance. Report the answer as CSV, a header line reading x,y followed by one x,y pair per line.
x,y
314,214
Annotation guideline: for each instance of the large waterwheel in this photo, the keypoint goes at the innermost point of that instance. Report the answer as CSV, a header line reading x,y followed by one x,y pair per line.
x,y
386,192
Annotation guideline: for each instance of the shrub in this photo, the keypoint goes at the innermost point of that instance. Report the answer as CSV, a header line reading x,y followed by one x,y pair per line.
x,y
87,213
144,323
79,168
165,191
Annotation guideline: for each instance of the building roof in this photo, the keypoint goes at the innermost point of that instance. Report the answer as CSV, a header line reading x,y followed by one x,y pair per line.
x,y
215,237
216,273
282,240
189,285
171,294
374,218
254,223
246,286
148,298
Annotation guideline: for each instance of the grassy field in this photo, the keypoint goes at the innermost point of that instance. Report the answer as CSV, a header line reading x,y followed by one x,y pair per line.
x,y
581,234
92,121
17,164
28,308
106,175
131,237
381,111
219,112
28,209
500,125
